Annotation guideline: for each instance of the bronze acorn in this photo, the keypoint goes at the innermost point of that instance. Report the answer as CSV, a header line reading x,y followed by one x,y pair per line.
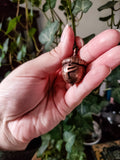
x,y
73,69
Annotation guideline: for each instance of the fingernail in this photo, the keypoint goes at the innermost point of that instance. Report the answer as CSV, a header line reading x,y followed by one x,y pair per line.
x,y
82,42
64,33
110,71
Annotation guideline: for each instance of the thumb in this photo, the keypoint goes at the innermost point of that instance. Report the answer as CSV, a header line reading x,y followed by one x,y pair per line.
x,y
49,62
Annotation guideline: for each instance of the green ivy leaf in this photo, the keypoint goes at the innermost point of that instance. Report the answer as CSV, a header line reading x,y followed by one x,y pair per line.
x,y
19,55
105,18
45,142
69,138
32,32
7,73
113,77
5,46
12,24
88,38
64,3
1,47
77,152
61,7
78,155
2,56
116,95
2,52
85,5
46,37
59,145
107,5
49,4
82,5
36,3
22,53
56,133
18,41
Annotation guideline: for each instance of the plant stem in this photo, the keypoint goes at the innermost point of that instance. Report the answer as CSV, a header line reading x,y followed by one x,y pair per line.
x,y
26,14
80,16
17,13
58,17
36,47
51,11
10,61
9,36
72,17
112,18
22,25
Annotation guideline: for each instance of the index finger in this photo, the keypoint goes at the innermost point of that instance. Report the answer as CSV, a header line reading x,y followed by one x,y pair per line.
x,y
100,44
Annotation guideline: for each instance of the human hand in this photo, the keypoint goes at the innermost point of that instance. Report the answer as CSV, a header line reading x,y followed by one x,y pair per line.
x,y
34,98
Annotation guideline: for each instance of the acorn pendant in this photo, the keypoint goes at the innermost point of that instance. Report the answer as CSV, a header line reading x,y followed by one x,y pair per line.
x,y
73,68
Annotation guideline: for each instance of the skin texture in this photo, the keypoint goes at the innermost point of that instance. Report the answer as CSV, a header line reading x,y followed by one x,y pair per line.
x,y
34,98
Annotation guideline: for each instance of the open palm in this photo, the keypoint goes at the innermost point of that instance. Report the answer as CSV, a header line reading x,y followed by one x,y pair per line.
x,y
34,98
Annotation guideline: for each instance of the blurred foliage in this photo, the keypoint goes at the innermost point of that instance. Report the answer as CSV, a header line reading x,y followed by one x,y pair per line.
x,y
73,12
21,45
66,141
113,81
110,19
47,35
19,35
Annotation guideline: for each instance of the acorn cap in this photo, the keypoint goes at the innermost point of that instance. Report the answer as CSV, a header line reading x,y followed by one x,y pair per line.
x,y
74,60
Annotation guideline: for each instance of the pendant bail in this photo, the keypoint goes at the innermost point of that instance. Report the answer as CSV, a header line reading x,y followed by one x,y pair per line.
x,y
75,49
